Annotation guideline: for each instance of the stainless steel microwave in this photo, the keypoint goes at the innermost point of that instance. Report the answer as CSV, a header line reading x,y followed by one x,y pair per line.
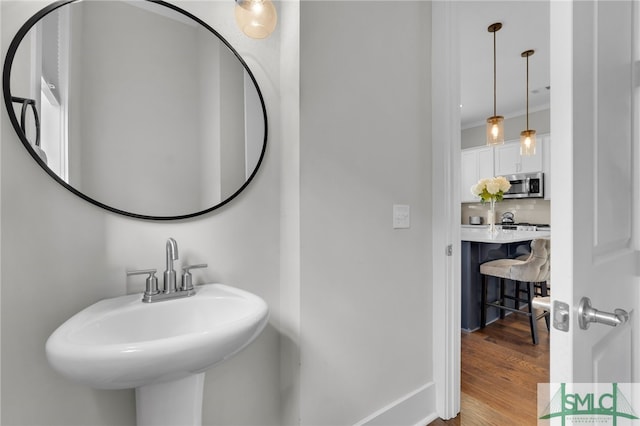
x,y
526,185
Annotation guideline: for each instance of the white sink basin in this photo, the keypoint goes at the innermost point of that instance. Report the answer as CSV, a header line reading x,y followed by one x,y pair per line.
x,y
124,343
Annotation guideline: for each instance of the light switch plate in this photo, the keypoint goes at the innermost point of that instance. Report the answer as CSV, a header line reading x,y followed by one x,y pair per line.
x,y
401,216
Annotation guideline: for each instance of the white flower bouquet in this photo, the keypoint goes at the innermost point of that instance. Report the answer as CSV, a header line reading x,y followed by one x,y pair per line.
x,y
491,189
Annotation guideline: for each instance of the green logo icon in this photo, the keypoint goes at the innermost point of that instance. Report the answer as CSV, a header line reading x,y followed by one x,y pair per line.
x,y
588,405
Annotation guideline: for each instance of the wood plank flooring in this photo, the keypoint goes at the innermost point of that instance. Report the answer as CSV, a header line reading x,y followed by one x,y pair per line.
x,y
500,370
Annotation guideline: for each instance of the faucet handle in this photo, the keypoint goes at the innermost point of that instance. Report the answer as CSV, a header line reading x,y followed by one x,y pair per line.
x,y
152,281
187,283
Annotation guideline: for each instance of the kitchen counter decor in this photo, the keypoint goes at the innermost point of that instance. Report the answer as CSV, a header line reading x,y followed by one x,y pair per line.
x,y
491,190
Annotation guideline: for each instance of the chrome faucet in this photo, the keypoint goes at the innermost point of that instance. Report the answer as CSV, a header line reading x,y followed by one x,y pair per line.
x,y
170,273
170,290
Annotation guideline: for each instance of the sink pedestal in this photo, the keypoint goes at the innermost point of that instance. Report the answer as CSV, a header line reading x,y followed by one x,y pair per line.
x,y
178,402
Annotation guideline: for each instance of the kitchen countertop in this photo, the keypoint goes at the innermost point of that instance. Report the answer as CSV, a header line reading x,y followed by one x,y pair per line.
x,y
480,234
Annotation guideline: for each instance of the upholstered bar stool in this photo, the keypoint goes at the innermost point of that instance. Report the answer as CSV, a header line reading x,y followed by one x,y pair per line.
x,y
525,275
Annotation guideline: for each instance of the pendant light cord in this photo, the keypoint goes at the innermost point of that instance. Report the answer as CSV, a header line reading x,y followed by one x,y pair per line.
x,y
494,73
526,55
527,92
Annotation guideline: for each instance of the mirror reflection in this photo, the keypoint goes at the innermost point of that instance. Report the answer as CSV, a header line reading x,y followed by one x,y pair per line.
x,y
138,107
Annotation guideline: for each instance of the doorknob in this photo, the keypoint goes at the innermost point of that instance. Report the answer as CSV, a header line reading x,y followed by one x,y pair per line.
x,y
587,315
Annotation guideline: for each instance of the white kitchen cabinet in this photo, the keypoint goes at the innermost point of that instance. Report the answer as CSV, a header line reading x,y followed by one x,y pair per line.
x,y
508,160
475,163
484,161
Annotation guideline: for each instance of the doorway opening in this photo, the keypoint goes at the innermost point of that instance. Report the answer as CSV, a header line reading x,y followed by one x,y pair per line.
x,y
458,71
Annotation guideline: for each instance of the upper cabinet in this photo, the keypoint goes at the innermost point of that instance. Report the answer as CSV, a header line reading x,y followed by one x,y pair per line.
x,y
503,160
508,160
475,163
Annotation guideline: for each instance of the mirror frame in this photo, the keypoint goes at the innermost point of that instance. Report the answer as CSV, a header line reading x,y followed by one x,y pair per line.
x,y
6,82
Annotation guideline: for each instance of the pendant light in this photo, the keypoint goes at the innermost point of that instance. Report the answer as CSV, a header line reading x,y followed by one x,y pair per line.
x,y
495,123
528,136
256,18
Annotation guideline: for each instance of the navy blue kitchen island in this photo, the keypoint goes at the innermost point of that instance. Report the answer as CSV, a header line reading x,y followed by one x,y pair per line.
x,y
478,246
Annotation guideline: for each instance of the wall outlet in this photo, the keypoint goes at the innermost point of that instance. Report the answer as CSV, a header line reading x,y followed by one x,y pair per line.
x,y
401,216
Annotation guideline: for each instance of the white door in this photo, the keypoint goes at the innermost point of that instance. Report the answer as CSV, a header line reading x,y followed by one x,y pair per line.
x,y
594,209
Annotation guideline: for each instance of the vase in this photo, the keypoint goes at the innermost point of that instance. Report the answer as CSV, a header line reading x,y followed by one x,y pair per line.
x,y
491,217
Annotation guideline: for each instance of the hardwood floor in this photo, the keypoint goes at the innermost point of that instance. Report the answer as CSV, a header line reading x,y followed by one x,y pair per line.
x,y
500,370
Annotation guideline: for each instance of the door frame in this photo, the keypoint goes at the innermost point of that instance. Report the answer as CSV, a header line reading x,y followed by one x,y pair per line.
x,y
445,175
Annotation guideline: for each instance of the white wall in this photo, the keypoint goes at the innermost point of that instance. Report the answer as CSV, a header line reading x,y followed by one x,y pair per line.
x,y
365,145
61,254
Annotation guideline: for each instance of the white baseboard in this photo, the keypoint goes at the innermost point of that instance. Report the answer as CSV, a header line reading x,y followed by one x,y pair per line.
x,y
417,408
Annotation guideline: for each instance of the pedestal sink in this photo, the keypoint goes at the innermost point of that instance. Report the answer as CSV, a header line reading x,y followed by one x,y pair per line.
x,y
161,349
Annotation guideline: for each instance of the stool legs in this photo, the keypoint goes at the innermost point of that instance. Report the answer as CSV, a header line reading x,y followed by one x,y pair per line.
x,y
532,316
546,320
483,303
528,288
501,296
544,291
541,289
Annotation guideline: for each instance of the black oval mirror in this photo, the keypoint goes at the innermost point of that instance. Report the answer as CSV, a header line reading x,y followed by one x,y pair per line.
x,y
136,106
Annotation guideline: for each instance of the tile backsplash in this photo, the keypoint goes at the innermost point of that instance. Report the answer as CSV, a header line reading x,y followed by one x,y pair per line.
x,y
530,210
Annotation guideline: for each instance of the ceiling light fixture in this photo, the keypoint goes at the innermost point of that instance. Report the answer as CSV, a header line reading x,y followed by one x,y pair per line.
x,y
495,123
256,18
528,136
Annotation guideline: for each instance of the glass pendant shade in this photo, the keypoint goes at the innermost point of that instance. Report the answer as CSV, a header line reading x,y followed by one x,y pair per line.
x,y
495,123
495,130
528,142
256,18
527,137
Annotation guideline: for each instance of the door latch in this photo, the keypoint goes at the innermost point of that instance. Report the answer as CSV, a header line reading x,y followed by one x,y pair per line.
x,y
561,317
